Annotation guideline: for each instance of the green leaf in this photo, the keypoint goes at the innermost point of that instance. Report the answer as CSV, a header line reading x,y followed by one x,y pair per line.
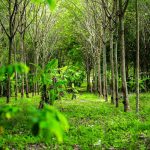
x,y
52,65
51,3
49,121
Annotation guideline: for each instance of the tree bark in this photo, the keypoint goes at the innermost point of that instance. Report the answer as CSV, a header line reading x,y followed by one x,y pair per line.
x,y
116,71
99,73
104,67
22,60
16,75
95,74
88,72
104,53
116,57
27,86
137,57
112,64
8,76
122,48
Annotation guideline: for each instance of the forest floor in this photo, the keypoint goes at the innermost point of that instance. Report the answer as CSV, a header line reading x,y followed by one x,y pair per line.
x,y
94,124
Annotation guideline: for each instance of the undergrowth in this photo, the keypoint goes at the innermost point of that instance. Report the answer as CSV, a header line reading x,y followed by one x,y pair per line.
x,y
94,124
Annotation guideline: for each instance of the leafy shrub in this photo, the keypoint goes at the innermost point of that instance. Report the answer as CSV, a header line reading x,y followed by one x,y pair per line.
x,y
49,121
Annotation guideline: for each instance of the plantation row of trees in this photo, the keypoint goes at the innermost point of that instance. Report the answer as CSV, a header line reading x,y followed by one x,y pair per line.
x,y
108,41
113,44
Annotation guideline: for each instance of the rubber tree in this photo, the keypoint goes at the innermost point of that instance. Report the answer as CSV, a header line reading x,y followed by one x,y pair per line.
x,y
104,52
10,26
116,55
122,9
137,57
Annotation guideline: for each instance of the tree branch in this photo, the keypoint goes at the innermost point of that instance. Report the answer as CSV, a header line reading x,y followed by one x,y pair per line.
x,y
125,6
4,29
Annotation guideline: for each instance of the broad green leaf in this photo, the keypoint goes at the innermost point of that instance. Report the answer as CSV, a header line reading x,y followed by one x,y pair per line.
x,y
52,3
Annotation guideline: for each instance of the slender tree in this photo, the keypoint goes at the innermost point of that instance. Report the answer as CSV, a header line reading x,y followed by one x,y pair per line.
x,y
137,57
12,8
112,63
104,53
122,9
116,54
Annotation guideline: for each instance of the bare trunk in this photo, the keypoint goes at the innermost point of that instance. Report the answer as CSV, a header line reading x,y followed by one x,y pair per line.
x,y
116,72
116,58
104,68
95,74
22,60
88,81
16,85
93,80
36,84
33,86
27,86
112,64
8,76
88,72
26,79
16,75
123,69
137,57
104,55
99,73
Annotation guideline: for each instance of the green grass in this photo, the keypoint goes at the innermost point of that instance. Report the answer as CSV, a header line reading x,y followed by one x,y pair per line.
x,y
94,124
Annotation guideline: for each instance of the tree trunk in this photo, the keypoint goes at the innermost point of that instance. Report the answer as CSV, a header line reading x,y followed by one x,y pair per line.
x,y
104,67
22,60
116,57
95,73
8,76
99,73
27,86
26,79
104,55
112,64
16,75
122,48
93,79
116,71
44,98
16,85
137,57
33,85
88,72
36,83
